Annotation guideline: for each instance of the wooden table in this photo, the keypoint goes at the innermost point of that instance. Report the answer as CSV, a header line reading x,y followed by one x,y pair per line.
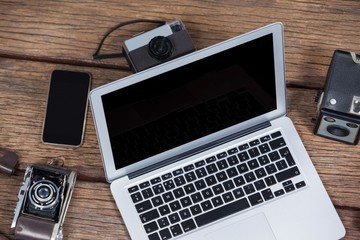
x,y
39,36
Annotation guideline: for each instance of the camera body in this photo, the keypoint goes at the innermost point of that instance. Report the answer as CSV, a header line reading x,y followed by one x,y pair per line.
x,y
159,45
43,201
338,111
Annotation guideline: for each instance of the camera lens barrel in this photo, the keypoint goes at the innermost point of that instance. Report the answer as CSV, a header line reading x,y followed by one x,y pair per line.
x,y
44,194
160,47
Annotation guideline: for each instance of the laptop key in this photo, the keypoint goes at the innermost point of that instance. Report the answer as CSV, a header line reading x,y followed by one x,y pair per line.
x,y
189,188
243,156
133,189
176,230
144,184
200,184
155,180
143,206
195,210
188,225
174,218
300,184
147,193
279,192
242,168
206,205
217,201
267,194
189,168
165,234
277,143
276,134
233,160
254,142
166,176
178,193
163,222
210,159
265,138
164,210
255,199
238,193
211,168
200,163
270,181
253,152
287,174
180,180
222,212
263,160
184,214
196,197
232,151
274,156
243,147
157,201
169,185
264,148
201,172
177,172
221,155
185,202
158,189
154,236
285,153
168,196
190,176
222,164
149,216
136,197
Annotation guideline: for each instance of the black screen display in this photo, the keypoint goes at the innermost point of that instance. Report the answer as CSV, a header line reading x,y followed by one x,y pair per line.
x,y
66,107
190,102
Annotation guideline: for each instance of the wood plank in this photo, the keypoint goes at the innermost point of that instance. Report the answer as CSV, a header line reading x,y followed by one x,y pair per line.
x,y
70,31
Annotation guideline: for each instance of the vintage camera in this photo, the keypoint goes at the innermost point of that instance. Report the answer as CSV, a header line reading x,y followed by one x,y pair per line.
x,y
159,45
338,111
43,201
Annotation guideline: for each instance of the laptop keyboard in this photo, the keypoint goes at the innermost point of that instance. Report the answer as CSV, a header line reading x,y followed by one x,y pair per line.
x,y
208,190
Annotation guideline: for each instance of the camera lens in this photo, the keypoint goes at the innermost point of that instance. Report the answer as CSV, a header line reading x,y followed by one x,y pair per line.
x,y
160,47
44,194
338,131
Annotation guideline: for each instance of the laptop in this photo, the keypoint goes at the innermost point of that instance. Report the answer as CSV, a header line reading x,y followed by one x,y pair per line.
x,y
201,148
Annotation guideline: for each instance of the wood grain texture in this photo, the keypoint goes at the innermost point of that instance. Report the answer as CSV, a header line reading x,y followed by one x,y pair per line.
x,y
37,38
69,31
93,214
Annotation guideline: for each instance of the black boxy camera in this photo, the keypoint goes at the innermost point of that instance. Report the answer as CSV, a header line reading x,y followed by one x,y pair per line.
x,y
43,201
338,111
159,45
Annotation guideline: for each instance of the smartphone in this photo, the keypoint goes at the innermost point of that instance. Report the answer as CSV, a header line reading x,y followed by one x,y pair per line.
x,y
66,108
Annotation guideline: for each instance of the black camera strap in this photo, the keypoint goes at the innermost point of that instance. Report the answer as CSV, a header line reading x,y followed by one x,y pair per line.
x,y
96,55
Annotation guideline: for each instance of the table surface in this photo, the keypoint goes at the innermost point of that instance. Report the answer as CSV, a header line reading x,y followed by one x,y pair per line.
x,y
36,38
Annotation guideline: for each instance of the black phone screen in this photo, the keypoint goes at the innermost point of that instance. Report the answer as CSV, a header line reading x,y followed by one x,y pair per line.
x,y
66,107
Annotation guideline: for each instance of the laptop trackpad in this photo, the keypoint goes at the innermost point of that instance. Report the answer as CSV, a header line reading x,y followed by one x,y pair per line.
x,y
252,228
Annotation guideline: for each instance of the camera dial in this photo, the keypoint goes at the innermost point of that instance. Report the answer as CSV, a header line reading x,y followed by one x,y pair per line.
x,y
160,47
44,194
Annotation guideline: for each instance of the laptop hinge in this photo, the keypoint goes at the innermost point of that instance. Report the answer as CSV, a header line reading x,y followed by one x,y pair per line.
x,y
199,149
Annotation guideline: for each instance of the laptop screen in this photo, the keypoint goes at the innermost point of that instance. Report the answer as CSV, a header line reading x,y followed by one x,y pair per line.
x,y
190,102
